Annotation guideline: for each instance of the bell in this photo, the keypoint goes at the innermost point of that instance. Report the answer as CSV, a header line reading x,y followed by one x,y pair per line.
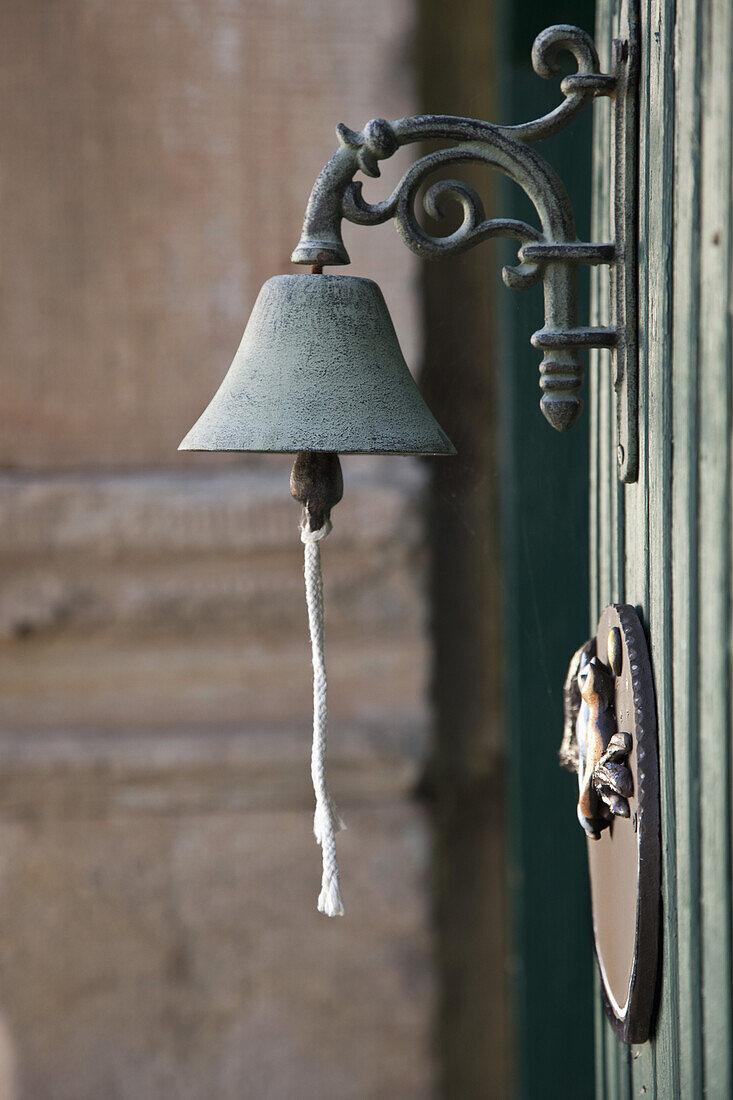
x,y
319,368
319,371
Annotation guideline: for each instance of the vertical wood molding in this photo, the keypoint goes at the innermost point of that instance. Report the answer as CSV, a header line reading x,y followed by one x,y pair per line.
x,y
715,562
685,553
659,234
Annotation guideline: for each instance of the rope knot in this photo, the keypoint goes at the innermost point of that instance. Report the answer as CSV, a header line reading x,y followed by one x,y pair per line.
x,y
307,536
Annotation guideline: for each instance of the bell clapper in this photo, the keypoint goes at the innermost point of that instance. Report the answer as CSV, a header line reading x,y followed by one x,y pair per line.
x,y
317,483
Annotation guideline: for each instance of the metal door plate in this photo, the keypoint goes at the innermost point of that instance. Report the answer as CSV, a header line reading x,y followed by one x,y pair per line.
x,y
624,857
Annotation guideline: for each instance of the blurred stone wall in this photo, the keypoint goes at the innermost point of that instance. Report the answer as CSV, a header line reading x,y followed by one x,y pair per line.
x,y
158,873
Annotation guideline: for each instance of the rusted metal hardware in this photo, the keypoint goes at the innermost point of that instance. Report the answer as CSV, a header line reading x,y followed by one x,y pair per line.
x,y
610,741
551,253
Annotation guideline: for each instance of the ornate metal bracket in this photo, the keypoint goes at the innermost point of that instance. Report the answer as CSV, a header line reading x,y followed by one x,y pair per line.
x,y
551,253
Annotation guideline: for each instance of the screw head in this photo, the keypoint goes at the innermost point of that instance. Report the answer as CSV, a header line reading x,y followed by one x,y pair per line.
x,y
620,455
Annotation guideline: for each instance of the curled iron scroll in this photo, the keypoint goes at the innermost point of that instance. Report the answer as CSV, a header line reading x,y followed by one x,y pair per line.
x,y
553,251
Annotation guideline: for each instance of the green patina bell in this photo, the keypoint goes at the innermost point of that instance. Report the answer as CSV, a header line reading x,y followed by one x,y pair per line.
x,y
319,368
319,371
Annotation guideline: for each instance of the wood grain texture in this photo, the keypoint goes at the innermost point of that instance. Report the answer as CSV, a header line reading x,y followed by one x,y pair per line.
x,y
714,584
659,206
685,545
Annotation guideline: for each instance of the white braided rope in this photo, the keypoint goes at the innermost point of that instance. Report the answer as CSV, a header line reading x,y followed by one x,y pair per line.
x,y
326,820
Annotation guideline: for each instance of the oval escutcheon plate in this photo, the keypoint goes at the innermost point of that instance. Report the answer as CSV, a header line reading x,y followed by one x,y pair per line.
x,y
611,740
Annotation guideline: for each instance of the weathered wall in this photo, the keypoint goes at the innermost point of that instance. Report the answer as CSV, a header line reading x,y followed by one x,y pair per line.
x,y
157,869
158,157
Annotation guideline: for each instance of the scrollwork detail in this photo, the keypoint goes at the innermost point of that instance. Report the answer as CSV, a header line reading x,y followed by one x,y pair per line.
x,y
474,227
556,252
578,88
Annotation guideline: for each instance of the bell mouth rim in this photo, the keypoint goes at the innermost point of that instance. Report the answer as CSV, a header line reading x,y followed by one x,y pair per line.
x,y
318,450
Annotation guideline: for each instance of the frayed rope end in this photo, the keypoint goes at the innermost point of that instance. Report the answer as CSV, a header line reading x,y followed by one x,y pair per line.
x,y
329,901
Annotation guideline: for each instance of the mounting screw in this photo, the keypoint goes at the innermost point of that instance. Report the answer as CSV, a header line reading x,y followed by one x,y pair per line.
x,y
620,455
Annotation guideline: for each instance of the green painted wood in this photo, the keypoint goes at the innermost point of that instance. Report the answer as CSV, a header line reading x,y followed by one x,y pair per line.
x,y
685,429
659,221
714,546
599,1038
675,544
612,1056
623,1072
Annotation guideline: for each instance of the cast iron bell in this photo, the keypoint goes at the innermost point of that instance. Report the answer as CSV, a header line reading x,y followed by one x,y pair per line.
x,y
319,371
319,368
